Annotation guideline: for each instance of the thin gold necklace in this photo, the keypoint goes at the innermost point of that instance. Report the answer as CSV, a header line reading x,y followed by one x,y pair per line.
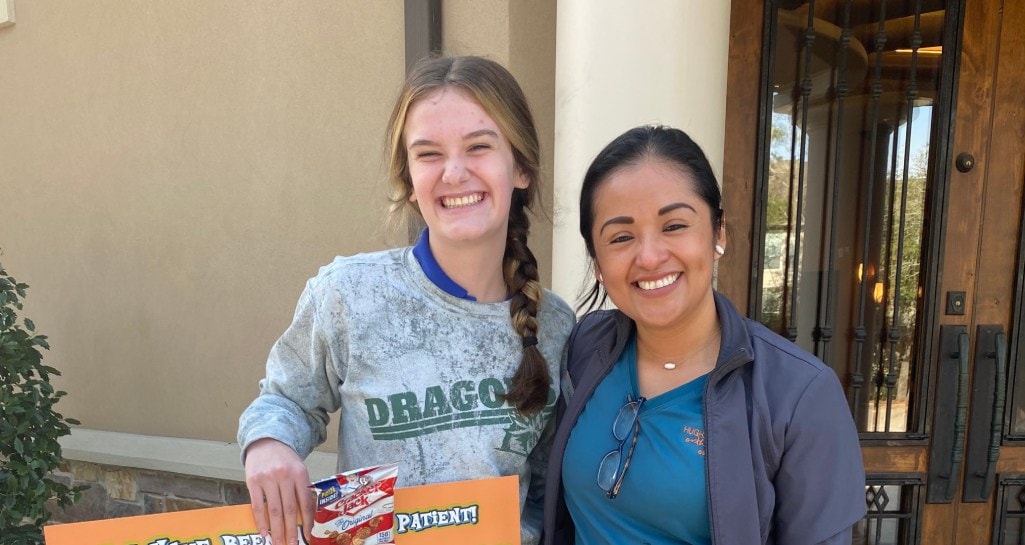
x,y
670,364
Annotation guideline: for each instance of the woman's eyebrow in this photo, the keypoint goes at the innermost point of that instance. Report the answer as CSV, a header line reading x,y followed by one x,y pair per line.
x,y
421,142
670,207
618,220
627,220
480,132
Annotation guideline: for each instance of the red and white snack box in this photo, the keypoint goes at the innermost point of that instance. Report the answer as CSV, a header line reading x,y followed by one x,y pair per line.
x,y
356,507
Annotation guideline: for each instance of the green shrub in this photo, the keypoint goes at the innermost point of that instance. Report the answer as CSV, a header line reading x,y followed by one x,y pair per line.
x,y
29,426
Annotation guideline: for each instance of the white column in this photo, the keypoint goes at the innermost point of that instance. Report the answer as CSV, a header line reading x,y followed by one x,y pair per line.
x,y
623,63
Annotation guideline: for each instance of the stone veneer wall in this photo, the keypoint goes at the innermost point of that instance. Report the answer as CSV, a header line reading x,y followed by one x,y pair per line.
x,y
122,492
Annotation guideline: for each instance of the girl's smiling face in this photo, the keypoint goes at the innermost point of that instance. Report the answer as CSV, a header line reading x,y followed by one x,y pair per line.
x,y
462,169
654,243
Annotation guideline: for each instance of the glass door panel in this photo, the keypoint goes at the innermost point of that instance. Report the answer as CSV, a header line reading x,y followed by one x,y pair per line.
x,y
851,143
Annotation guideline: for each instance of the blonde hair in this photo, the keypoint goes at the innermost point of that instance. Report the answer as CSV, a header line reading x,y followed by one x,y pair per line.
x,y
496,90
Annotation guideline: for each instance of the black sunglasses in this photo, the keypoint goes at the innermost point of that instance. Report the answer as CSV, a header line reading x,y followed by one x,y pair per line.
x,y
610,477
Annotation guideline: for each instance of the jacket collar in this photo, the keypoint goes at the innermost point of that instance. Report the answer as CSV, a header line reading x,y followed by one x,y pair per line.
x,y
735,349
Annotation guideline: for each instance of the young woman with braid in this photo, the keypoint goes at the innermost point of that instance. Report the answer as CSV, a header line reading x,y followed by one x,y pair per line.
x,y
442,356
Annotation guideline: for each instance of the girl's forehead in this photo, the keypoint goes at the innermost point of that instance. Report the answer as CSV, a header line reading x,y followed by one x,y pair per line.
x,y
447,97
447,109
444,92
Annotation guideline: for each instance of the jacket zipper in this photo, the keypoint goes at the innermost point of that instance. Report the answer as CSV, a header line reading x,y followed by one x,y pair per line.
x,y
739,358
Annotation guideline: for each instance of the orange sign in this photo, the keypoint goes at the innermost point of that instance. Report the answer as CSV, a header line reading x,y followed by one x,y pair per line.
x,y
481,512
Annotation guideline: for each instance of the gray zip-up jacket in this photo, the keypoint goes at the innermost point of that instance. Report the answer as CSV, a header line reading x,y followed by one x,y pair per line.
x,y
784,464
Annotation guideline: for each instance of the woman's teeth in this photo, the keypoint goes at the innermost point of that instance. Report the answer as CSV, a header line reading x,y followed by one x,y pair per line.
x,y
656,284
456,202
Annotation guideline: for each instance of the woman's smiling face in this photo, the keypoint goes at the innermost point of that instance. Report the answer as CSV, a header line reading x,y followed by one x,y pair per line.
x,y
462,169
654,243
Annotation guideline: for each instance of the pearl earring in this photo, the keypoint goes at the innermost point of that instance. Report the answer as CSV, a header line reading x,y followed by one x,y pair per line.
x,y
600,279
719,249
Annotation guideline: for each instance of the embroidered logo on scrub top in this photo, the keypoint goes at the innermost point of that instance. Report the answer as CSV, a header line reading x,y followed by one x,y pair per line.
x,y
695,436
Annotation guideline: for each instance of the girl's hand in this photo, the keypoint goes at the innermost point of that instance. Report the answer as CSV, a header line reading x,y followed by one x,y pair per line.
x,y
279,491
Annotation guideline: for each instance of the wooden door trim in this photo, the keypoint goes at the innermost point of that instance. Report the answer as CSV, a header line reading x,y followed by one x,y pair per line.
x,y
900,459
740,152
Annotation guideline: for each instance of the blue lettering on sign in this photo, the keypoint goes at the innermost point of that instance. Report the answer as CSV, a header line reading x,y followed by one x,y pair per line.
x,y
419,521
244,539
168,541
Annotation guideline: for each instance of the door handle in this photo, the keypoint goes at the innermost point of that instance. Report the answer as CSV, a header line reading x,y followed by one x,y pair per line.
x,y
960,420
987,416
950,417
997,423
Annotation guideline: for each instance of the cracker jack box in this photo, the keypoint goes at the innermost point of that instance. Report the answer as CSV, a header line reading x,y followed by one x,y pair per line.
x,y
478,512
356,507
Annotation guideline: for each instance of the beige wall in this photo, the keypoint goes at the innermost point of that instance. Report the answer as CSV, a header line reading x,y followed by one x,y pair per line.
x,y
171,173
521,35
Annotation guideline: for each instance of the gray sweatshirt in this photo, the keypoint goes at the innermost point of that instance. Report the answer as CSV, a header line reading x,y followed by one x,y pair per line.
x,y
417,374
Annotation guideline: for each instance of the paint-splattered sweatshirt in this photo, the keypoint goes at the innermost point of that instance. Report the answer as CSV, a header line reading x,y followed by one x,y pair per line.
x,y
417,376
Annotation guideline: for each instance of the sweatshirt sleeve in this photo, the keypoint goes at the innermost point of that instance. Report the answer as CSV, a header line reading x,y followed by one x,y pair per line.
x,y
300,389
820,485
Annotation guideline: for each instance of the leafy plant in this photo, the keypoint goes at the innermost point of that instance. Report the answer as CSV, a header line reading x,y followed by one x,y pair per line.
x,y
29,426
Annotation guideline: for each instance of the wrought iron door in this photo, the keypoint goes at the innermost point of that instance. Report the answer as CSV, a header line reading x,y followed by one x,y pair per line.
x,y
879,146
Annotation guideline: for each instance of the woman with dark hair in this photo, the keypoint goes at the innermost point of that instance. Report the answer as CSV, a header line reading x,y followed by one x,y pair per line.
x,y
681,420
439,356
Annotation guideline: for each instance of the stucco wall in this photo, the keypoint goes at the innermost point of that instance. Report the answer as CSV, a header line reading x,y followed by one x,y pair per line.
x,y
170,175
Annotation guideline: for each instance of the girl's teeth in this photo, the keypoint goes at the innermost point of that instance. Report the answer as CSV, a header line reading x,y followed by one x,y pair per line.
x,y
456,202
656,284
